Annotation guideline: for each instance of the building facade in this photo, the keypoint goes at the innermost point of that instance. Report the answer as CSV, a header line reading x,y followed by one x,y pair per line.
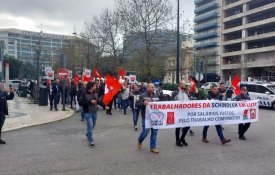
x,y
24,45
162,42
248,39
186,63
207,35
2,47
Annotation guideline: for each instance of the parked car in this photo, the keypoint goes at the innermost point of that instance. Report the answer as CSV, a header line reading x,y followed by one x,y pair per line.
x,y
15,83
207,86
262,91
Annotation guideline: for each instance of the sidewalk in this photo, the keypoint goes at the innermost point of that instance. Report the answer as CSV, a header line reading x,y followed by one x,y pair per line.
x,y
23,113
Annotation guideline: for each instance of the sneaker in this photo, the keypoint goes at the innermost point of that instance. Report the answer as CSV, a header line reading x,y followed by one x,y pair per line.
x,y
136,128
205,140
224,141
2,142
82,119
154,150
242,137
139,145
179,144
184,143
91,144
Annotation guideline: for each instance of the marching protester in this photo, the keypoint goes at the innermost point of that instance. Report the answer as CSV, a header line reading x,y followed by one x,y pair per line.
x,y
4,96
90,110
181,94
214,95
159,92
222,90
143,88
144,98
243,127
73,93
134,97
125,92
80,92
54,89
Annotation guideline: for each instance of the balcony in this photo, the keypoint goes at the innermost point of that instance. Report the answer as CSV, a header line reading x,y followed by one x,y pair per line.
x,y
206,7
209,25
206,45
206,36
199,1
206,16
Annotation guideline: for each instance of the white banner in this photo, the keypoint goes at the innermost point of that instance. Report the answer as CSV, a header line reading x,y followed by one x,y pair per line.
x,y
87,73
174,114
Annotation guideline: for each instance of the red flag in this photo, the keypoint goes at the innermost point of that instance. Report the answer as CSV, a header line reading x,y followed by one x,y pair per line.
x,y
236,85
112,87
76,78
193,87
85,78
97,74
122,73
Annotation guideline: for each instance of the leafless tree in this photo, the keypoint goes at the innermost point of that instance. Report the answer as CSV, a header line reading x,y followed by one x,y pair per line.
x,y
144,17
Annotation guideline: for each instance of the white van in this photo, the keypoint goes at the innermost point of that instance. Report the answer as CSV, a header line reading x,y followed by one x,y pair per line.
x,y
264,92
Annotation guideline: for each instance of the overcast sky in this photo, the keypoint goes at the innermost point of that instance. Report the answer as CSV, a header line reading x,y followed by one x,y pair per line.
x,y
60,16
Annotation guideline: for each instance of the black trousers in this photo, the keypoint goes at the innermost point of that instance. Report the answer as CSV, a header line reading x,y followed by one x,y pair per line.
x,y
72,100
184,132
2,121
243,127
53,101
109,111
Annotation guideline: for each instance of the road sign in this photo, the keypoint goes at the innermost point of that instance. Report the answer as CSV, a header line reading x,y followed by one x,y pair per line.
x,y
63,74
50,75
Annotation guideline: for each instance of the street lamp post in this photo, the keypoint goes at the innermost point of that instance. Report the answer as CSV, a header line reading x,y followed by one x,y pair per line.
x,y
178,45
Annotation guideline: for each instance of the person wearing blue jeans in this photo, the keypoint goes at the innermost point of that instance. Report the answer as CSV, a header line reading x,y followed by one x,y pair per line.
x,y
134,97
214,95
125,93
91,122
144,98
90,110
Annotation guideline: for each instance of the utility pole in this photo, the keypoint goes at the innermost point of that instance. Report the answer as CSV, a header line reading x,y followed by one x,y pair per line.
x,y
178,45
39,49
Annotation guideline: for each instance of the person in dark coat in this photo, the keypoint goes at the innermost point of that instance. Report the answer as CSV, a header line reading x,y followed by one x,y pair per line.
x,y
54,89
243,127
4,96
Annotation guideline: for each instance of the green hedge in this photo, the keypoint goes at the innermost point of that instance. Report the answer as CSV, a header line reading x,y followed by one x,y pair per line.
x,y
170,86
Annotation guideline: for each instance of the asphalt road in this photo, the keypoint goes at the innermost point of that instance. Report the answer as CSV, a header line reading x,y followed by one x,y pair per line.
x,y
61,148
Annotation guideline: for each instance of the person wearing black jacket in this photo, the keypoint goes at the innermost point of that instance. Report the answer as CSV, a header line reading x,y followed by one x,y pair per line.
x,y
4,96
90,110
144,99
181,94
73,93
243,127
214,95
54,89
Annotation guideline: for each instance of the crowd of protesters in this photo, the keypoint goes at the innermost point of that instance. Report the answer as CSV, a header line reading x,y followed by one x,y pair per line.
x,y
86,98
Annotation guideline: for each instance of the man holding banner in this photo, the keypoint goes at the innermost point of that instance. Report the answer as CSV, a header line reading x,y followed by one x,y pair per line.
x,y
243,127
214,95
181,94
143,101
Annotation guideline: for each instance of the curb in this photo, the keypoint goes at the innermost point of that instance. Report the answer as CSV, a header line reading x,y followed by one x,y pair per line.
x,y
68,114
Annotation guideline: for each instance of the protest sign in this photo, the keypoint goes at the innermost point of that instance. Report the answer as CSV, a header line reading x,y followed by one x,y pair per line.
x,y
172,114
